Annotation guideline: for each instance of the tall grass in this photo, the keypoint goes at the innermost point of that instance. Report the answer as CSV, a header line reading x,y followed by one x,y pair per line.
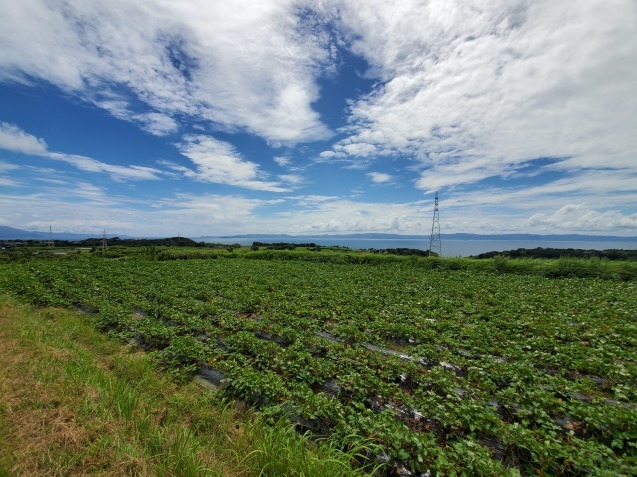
x,y
276,457
565,267
73,402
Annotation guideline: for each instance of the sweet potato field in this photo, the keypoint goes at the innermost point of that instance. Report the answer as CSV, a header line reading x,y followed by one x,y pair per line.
x,y
451,371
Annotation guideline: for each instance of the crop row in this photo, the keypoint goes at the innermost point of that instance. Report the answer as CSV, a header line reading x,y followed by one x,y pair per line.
x,y
452,371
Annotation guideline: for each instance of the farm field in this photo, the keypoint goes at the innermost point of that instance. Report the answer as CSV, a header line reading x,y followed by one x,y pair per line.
x,y
452,371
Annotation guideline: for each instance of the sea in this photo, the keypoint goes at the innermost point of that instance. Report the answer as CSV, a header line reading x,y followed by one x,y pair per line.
x,y
450,247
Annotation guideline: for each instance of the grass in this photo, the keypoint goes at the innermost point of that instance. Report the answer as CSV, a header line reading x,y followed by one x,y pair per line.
x,y
554,268
549,267
73,402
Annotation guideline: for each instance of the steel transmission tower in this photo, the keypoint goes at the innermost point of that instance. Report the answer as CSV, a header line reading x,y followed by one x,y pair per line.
x,y
435,244
104,242
50,243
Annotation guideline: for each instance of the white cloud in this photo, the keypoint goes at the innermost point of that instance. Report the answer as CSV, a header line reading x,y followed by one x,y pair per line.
x,y
73,208
88,164
90,192
7,167
311,200
48,180
292,179
611,189
358,149
157,124
244,64
327,155
14,139
471,90
219,162
319,214
8,182
580,217
212,211
283,161
380,177
82,207
466,91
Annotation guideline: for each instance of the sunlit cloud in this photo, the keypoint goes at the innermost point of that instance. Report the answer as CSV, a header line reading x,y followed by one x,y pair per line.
x,y
483,88
219,162
249,65
580,217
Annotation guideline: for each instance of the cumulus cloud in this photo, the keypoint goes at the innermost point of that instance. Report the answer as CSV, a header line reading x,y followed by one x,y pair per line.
x,y
471,90
219,162
245,64
580,217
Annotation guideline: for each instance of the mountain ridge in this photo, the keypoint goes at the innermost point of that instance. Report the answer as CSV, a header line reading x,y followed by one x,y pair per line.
x,y
455,236
11,233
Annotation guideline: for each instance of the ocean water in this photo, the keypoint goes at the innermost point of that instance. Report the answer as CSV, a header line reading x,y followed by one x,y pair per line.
x,y
450,248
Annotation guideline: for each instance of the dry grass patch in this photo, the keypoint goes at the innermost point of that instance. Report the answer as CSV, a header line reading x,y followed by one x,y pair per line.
x,y
69,411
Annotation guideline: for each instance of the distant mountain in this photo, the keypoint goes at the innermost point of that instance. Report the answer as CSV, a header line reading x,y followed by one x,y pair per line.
x,y
10,233
268,236
350,236
457,236
543,238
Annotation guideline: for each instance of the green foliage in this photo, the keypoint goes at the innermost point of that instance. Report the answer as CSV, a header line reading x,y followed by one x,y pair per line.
x,y
500,263
478,367
554,253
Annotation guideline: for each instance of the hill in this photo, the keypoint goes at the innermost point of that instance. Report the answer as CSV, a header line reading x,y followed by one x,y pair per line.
x,y
11,233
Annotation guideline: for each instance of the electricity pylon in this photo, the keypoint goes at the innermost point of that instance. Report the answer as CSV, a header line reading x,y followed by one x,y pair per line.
x,y
435,244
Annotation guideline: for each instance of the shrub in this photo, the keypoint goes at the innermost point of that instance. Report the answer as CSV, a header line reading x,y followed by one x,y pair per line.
x,y
500,263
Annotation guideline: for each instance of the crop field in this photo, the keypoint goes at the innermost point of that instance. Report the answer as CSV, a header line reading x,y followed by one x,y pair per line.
x,y
452,372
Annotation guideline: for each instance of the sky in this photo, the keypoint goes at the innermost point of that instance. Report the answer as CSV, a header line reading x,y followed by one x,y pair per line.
x,y
197,117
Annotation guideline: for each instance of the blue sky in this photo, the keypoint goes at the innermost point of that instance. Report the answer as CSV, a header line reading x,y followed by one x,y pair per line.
x,y
153,118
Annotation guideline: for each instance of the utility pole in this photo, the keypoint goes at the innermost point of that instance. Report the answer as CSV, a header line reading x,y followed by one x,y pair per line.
x,y
435,244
